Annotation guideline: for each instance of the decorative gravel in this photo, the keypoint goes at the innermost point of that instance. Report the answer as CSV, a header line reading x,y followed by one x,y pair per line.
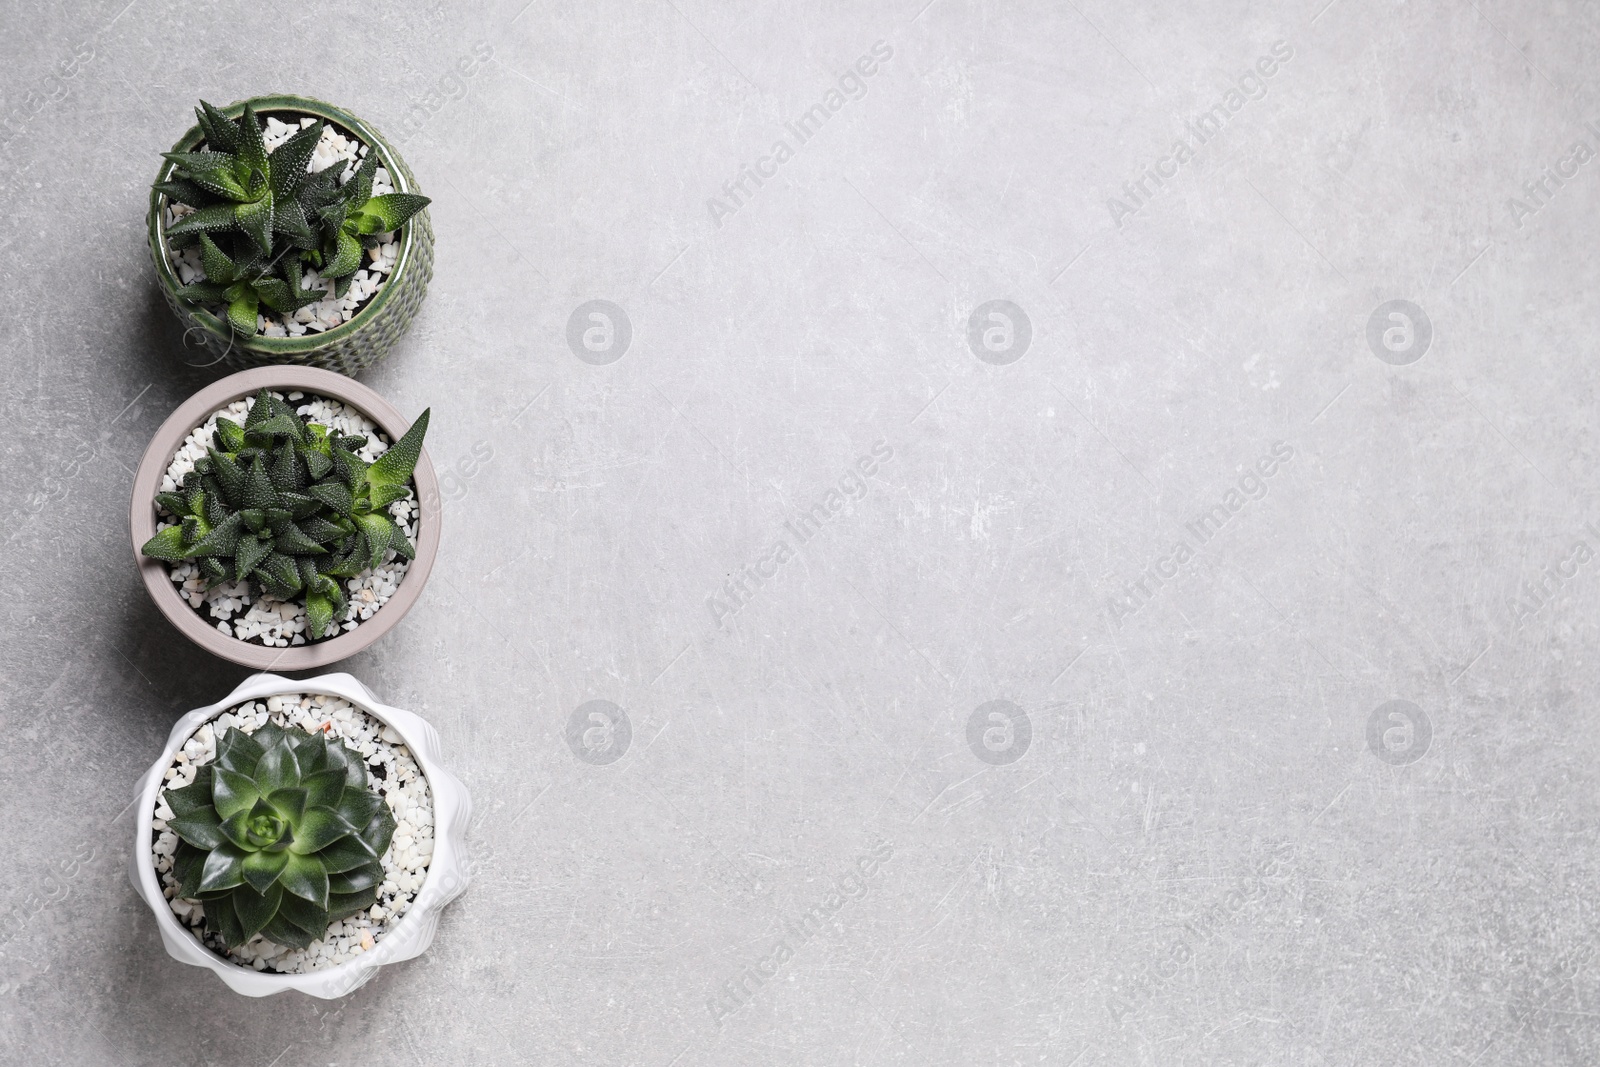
x,y
394,773
335,147
265,620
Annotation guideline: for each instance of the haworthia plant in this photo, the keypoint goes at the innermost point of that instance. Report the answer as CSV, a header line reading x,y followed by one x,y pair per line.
x,y
280,836
261,217
289,506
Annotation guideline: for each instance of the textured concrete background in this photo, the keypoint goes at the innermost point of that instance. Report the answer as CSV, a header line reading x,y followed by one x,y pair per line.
x,y
1214,841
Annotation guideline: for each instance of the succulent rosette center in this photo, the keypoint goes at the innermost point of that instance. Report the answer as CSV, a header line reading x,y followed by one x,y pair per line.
x,y
281,836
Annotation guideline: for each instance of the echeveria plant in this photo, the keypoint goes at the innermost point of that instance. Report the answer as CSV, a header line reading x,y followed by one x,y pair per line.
x,y
289,505
281,835
261,217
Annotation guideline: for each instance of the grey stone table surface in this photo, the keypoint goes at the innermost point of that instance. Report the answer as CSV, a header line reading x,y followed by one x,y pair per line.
x,y
1187,660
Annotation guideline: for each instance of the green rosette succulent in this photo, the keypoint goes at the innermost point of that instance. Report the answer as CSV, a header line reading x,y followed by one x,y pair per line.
x,y
261,218
289,506
281,835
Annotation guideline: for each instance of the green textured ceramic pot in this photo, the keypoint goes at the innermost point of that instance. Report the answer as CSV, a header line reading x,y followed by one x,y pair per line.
x,y
349,347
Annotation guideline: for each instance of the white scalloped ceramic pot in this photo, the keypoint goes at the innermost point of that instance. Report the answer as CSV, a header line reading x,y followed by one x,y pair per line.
x,y
448,871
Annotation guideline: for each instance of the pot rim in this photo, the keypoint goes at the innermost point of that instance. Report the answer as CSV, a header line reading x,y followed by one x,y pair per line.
x,y
447,877
309,342
158,455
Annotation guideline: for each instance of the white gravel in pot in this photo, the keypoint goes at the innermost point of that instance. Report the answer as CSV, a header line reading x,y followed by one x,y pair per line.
x,y
338,147
393,771
262,619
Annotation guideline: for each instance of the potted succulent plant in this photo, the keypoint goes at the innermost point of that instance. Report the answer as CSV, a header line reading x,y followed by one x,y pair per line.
x,y
285,230
285,517
299,835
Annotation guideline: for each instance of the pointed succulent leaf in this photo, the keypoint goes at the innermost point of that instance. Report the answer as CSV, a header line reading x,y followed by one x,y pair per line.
x,y
350,468
239,752
255,219
395,466
223,540
379,831
184,191
348,853
218,267
354,881
381,496
289,160
167,545
255,910
346,257
242,312
324,787
305,915
343,905
286,475
201,827
230,435
319,614
358,806
215,172
380,532
290,801
280,931
224,868
393,209
233,792
306,877
277,768
258,490
252,149
221,132
187,864
221,917
317,829
338,497
249,553
218,218
194,796
274,292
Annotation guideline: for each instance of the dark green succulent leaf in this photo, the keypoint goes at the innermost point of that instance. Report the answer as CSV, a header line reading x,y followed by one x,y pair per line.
x,y
202,293
218,266
274,292
287,475
221,917
167,545
233,792
290,539
194,796
262,868
380,532
379,831
173,503
348,853
215,172
212,570
305,876
359,805
258,490
230,435
223,540
358,190
290,801
396,466
224,869
366,876
280,931
393,209
339,498
188,863
252,150
255,219
289,160
238,752
277,768
319,614
221,132
324,788
255,909
346,257
343,905
242,310
349,468
184,191
201,827
321,530
229,477
269,734
249,553
318,828
305,915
